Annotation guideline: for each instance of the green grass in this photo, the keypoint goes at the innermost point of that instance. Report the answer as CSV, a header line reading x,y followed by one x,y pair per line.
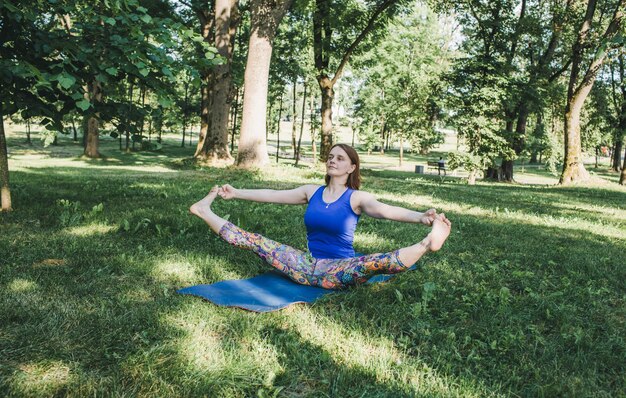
x,y
527,298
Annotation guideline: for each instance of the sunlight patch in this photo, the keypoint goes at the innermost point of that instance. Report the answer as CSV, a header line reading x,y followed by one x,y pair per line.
x,y
175,271
138,295
50,262
201,344
20,285
90,230
39,379
373,355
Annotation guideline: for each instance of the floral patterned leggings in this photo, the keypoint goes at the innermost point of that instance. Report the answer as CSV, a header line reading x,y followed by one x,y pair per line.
x,y
302,268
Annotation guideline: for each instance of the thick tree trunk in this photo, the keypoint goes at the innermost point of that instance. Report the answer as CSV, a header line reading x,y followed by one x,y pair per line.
x,y
264,20
5,191
92,139
326,86
573,167
215,146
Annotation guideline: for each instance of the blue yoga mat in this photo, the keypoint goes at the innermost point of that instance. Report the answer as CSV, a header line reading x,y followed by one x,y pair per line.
x,y
263,293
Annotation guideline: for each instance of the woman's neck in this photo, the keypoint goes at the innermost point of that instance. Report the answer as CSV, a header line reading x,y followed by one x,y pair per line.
x,y
336,185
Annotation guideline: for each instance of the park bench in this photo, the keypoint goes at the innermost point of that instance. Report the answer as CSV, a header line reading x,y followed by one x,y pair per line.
x,y
435,165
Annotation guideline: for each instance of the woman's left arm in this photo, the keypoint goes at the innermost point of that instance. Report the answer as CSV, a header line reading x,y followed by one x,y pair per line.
x,y
373,208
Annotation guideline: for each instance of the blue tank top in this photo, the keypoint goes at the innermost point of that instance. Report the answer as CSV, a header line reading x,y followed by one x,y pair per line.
x,y
330,226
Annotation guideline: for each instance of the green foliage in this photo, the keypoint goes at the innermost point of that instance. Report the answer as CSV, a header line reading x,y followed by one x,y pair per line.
x,y
399,82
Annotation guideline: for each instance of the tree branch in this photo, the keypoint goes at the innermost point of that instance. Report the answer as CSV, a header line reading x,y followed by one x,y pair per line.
x,y
370,25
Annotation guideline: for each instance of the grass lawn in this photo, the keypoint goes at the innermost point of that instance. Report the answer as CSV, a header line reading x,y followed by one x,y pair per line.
x,y
527,298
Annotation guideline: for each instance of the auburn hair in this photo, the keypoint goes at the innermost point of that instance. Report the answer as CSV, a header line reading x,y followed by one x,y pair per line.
x,y
354,178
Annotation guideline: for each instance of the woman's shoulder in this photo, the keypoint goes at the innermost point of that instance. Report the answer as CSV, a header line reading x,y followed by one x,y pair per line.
x,y
310,189
358,197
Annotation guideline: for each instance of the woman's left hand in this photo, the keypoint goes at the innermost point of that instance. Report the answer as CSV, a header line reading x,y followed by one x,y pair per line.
x,y
428,217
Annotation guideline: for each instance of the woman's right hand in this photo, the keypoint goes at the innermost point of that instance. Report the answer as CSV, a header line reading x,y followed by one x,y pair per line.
x,y
227,192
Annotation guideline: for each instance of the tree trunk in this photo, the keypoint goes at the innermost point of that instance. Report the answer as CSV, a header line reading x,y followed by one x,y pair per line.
x,y
185,113
207,23
301,125
235,116
280,113
328,93
617,150
622,178
73,129
264,20
295,114
312,127
127,119
215,148
28,140
573,167
383,128
401,149
92,140
5,191
471,178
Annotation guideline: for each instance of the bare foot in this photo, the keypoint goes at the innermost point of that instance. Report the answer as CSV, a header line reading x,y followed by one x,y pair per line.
x,y
439,233
204,205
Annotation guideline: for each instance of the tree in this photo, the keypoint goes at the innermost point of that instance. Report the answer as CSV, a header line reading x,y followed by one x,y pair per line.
x,y
355,20
26,84
218,23
107,43
401,88
520,74
265,17
579,88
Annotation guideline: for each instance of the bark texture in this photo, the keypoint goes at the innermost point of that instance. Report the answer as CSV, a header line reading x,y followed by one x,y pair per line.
x,y
265,17
218,99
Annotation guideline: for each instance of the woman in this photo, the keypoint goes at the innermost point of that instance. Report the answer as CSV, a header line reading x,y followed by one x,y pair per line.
x,y
331,217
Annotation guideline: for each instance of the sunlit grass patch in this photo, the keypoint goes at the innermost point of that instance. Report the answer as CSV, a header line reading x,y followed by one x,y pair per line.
x,y
19,285
50,262
90,230
40,378
175,271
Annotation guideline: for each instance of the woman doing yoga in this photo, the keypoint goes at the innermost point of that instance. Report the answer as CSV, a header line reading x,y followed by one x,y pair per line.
x,y
332,213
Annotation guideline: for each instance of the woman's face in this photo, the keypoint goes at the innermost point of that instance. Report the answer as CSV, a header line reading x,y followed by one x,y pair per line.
x,y
339,163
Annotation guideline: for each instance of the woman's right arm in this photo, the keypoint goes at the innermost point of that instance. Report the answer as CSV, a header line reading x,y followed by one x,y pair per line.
x,y
296,196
